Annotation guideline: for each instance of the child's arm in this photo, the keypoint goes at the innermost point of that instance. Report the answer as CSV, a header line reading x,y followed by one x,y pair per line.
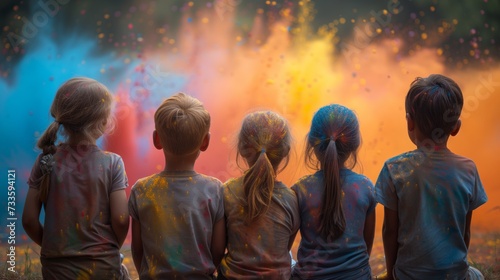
x,y
290,241
467,229
119,215
218,241
137,251
31,216
369,231
390,238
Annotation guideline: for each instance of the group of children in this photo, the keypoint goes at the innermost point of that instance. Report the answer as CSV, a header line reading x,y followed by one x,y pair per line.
x,y
186,225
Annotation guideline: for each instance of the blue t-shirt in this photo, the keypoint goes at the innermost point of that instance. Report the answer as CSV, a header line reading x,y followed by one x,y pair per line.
x,y
346,257
432,193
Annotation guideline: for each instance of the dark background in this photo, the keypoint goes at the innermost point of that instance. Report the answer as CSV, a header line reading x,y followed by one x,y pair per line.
x,y
469,33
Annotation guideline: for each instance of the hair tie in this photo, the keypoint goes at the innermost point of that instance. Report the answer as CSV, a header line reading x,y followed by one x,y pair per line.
x,y
47,163
263,151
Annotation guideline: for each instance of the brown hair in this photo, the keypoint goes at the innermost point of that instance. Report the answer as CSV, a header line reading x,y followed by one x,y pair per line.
x,y
435,104
181,122
263,141
82,106
333,139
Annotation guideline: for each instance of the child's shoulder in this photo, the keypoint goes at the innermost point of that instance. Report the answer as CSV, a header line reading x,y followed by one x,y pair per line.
x,y
306,182
405,157
308,178
92,152
209,180
146,181
233,181
282,189
351,176
418,156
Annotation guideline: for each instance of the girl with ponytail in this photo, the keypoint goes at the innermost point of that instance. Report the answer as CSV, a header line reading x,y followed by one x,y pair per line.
x,y
261,213
337,205
81,188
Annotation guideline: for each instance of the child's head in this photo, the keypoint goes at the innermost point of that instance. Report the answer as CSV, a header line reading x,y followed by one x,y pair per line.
x,y
264,142
334,138
333,124
82,106
181,124
434,105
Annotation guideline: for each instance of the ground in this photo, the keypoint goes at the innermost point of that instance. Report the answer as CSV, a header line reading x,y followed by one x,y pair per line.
x,y
484,254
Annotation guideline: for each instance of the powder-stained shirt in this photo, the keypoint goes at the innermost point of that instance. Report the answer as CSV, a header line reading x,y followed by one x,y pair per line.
x,y
343,258
78,240
432,192
259,250
177,212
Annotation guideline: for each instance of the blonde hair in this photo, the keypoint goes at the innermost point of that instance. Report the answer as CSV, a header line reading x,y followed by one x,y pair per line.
x,y
181,122
82,106
263,141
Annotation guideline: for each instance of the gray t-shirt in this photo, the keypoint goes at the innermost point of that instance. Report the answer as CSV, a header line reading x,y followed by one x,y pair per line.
x,y
432,193
259,250
177,212
77,224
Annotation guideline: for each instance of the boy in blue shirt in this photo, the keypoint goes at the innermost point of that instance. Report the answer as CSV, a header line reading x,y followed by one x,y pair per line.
x,y
429,193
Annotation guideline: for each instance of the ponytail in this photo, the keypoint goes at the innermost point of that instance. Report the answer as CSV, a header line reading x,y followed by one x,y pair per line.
x,y
258,184
47,144
332,220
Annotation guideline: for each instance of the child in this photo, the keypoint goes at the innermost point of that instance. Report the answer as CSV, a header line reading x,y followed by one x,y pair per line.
x,y
261,212
336,204
81,188
429,193
178,226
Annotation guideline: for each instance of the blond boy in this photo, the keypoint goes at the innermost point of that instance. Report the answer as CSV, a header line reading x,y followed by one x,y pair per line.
x,y
178,227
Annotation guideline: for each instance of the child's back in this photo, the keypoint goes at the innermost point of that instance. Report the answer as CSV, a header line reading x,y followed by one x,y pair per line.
x,y
337,205
77,233
429,194
81,188
261,212
433,192
259,250
178,227
177,211
346,256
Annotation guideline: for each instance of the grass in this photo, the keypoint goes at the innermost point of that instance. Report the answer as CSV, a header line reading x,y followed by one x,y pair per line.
x,y
487,261
27,266
484,254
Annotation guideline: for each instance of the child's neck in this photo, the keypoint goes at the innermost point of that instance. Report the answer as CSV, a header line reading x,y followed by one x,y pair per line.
x,y
180,163
430,145
79,140
425,143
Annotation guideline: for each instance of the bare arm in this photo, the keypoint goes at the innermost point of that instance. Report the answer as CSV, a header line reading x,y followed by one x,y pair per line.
x,y
31,216
390,238
137,251
467,229
290,241
369,231
119,215
218,241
